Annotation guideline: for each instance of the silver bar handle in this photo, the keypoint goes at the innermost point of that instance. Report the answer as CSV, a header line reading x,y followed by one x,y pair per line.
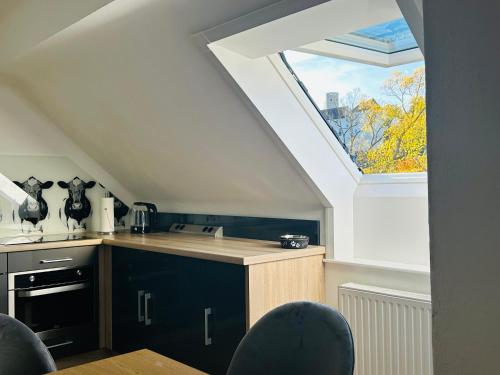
x,y
49,261
140,315
64,343
57,289
148,320
208,340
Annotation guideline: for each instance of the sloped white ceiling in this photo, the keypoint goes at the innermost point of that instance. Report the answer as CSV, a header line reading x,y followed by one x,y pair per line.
x,y
25,23
132,86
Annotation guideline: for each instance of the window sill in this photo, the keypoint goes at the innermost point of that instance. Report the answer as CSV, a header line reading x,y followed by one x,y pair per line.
x,y
394,178
382,265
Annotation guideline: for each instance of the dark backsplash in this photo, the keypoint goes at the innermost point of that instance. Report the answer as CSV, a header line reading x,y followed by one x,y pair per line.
x,y
259,228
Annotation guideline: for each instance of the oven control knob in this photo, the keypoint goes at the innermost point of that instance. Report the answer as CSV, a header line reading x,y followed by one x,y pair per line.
x,y
79,272
32,278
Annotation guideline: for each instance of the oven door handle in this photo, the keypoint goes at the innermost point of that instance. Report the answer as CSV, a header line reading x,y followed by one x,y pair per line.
x,y
64,343
49,261
57,289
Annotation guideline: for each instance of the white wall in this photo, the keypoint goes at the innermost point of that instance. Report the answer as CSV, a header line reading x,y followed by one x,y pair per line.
x,y
131,86
33,146
270,94
391,219
391,238
463,117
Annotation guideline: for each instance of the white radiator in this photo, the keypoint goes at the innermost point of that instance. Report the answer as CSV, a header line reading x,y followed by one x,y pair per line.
x,y
391,329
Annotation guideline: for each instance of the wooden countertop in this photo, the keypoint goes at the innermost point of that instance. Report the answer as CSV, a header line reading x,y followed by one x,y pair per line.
x,y
49,245
141,362
227,249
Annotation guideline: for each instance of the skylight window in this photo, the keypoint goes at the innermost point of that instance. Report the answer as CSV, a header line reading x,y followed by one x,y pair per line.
x,y
389,37
376,113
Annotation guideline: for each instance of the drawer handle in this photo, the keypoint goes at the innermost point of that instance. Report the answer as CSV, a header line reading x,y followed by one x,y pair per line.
x,y
140,315
48,261
208,340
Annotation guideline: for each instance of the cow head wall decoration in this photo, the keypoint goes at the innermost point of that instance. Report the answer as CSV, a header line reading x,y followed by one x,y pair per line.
x,y
77,206
34,208
120,210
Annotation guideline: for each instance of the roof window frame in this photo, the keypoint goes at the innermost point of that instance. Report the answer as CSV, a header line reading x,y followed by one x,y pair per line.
x,y
300,90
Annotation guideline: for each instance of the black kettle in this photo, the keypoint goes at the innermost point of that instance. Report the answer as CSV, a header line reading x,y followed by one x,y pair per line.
x,y
144,217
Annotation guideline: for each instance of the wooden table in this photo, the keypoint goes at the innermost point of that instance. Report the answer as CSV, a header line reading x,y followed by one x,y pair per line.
x,y
141,362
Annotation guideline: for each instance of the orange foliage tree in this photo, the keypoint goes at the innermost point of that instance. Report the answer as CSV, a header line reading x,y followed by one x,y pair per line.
x,y
387,137
403,147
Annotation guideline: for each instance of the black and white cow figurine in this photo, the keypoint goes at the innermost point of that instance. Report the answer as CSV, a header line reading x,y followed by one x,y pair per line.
x,y
77,207
34,209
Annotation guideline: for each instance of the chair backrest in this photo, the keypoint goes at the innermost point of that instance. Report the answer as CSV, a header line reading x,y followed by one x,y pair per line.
x,y
21,350
296,338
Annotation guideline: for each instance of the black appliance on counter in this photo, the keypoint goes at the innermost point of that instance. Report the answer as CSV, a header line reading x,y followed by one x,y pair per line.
x,y
57,298
144,217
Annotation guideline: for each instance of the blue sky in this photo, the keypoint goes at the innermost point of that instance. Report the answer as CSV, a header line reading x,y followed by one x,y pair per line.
x,y
324,74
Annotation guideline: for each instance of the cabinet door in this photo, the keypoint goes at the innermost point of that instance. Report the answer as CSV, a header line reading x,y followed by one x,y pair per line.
x,y
162,311
127,313
188,309
224,305
211,317
3,294
140,283
188,331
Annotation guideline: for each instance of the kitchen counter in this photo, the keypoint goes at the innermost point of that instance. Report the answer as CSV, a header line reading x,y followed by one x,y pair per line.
x,y
227,249
190,276
50,245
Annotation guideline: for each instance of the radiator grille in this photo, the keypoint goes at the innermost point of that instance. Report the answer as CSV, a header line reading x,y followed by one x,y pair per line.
x,y
391,329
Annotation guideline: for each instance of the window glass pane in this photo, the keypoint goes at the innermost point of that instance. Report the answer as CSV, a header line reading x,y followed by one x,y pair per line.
x,y
389,37
376,113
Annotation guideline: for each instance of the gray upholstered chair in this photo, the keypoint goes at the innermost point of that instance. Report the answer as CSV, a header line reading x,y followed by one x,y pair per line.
x,y
21,351
296,339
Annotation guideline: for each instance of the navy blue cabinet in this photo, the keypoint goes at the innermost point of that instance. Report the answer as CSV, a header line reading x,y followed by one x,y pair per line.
x,y
188,309
141,280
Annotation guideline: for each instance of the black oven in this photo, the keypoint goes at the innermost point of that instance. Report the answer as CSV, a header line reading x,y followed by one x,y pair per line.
x,y
60,305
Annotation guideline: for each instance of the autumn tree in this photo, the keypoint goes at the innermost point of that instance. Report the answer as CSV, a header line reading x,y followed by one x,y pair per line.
x,y
403,145
388,135
348,123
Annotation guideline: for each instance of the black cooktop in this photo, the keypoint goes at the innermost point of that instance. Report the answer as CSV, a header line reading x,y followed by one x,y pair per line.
x,y
41,238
